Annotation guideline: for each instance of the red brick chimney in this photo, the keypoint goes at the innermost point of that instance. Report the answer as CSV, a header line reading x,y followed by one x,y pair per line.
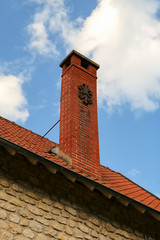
x,y
78,113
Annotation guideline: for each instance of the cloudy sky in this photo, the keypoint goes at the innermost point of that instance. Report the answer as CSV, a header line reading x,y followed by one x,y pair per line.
x,y
123,36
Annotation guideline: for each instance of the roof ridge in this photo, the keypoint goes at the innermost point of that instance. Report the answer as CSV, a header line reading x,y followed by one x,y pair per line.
x,y
133,182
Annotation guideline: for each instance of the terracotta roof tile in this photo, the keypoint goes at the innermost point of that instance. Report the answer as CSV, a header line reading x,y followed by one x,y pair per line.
x,y
41,146
118,182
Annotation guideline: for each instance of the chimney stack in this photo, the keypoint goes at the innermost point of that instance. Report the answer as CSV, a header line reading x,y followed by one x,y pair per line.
x,y
78,113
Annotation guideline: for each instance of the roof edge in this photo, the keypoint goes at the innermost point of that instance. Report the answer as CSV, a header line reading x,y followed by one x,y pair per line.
x,y
79,177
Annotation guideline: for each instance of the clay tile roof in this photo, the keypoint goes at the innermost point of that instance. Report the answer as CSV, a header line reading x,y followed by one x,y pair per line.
x,y
33,142
125,186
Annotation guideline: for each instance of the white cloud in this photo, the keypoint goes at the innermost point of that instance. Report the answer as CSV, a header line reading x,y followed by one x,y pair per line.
x,y
133,173
12,100
46,24
123,36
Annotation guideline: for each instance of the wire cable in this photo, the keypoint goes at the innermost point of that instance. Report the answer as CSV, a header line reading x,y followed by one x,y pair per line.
x,y
51,128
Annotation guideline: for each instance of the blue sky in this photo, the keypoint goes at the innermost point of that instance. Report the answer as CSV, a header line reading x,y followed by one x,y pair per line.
x,y
124,38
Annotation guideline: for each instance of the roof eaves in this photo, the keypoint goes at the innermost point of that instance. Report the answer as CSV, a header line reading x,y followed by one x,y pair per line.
x,y
91,184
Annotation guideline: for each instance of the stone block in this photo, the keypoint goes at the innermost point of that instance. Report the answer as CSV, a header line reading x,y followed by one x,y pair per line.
x,y
3,214
25,213
26,199
83,228
28,233
41,237
71,210
61,220
57,226
15,228
7,206
58,205
35,226
36,211
3,196
5,235
50,232
23,222
94,234
69,230
9,191
61,236
3,225
4,182
14,218
109,228
15,201
47,201
32,195
42,221
43,206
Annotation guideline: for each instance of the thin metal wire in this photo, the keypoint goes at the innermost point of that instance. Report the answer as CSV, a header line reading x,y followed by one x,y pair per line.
x,y
51,128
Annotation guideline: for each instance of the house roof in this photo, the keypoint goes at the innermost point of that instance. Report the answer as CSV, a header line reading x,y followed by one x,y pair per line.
x,y
111,180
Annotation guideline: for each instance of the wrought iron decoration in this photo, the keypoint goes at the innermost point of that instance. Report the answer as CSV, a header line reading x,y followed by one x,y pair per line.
x,y
85,94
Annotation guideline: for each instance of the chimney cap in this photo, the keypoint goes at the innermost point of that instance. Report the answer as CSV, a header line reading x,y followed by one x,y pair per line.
x,y
74,52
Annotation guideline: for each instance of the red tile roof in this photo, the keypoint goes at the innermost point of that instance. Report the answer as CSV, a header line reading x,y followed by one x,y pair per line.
x,y
42,146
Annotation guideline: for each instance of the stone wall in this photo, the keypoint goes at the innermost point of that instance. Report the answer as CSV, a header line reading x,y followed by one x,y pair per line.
x,y
35,204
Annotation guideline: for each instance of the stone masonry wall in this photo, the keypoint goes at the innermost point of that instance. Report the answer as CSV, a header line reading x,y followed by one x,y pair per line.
x,y
35,204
